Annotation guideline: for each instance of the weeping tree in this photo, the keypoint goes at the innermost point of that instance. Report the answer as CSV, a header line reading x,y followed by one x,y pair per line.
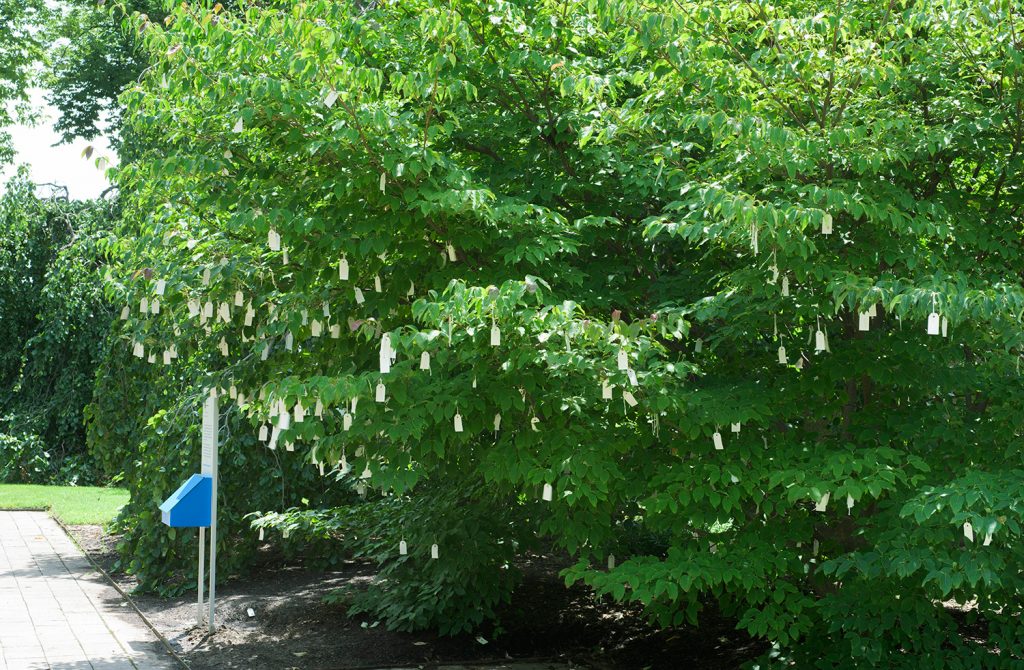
x,y
745,275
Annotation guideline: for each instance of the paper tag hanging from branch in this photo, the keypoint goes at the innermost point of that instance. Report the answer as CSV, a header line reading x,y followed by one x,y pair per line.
x,y
826,223
458,423
403,548
717,440
425,360
934,322
548,493
380,393
343,269
495,336
622,360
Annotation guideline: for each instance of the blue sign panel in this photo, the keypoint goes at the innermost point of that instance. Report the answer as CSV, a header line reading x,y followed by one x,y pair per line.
x,y
189,506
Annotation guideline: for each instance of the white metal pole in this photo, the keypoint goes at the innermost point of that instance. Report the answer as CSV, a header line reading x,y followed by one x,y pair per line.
x,y
202,561
213,505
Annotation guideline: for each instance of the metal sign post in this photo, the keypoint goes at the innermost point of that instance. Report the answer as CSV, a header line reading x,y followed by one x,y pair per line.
x,y
211,426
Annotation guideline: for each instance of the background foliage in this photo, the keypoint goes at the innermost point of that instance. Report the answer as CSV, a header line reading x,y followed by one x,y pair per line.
x,y
53,325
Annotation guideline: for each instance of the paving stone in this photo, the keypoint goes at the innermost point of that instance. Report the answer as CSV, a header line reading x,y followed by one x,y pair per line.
x,y
60,614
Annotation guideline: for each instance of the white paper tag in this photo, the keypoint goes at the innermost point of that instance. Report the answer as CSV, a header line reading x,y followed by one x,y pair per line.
x,y
497,422
249,314
606,390
154,307
359,296
452,256
632,377
331,98
239,299
495,336
239,125
206,277
233,392
622,360
873,310
250,612
223,347
849,503
945,327
261,534
289,341
224,312
434,552
143,306
289,446
698,346
343,269
208,309
782,356
819,341
383,181
263,433
335,331
403,548
385,363
735,427
785,287
167,357
193,308
933,323
284,420
161,286
315,328
376,284
717,439
864,321
425,361
826,223
548,494
300,412
611,561
628,397
125,312
458,423
822,504
346,421
381,393
968,531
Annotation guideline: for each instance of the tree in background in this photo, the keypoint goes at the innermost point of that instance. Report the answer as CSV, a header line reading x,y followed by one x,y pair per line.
x,y
20,48
747,276
53,324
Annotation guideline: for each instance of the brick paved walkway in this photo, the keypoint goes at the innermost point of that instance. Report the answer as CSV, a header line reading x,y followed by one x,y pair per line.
x,y
57,613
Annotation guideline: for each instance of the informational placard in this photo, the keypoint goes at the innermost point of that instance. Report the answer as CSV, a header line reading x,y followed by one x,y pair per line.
x,y
209,435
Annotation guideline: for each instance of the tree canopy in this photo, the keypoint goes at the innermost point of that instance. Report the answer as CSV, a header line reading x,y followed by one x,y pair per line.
x,y
745,276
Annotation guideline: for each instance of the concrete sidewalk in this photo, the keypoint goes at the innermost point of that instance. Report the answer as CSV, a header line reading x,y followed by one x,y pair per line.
x,y
57,613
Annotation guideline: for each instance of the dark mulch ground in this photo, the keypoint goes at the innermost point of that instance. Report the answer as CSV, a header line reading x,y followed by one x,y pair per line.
x,y
294,628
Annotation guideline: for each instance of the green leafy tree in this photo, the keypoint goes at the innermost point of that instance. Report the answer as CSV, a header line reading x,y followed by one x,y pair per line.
x,y
20,49
748,275
53,325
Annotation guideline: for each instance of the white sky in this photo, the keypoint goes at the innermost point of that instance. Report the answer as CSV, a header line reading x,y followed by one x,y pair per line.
x,y
63,164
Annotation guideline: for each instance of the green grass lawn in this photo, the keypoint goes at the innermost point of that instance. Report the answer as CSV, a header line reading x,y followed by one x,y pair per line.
x,y
70,504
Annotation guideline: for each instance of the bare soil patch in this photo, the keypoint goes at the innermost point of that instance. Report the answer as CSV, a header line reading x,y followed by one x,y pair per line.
x,y
294,628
